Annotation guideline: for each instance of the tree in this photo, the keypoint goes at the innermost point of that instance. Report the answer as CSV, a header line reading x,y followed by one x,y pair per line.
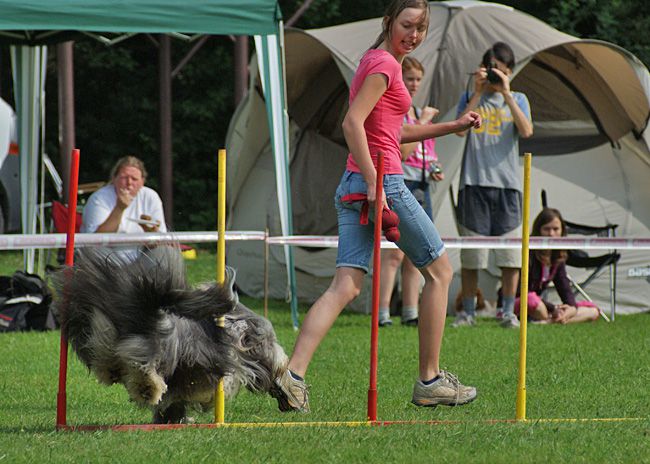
x,y
622,22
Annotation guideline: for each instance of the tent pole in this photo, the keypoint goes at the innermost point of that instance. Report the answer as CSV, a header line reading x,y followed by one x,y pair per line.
x,y
165,104
65,72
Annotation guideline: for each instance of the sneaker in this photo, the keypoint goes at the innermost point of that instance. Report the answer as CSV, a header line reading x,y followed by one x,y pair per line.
x,y
510,321
447,390
292,394
499,315
411,322
463,320
385,322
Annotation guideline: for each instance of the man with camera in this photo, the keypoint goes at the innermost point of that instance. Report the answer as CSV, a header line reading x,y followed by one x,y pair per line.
x,y
490,190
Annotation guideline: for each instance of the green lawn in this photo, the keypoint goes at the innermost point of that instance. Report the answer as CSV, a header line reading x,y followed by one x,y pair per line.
x,y
590,371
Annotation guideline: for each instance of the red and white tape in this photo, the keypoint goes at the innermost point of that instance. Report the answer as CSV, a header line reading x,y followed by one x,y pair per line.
x,y
23,241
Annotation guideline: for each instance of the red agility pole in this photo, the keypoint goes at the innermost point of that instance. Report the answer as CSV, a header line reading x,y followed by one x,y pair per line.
x,y
69,260
376,270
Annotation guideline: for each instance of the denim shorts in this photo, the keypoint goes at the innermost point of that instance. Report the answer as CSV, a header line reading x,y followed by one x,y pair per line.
x,y
420,191
419,239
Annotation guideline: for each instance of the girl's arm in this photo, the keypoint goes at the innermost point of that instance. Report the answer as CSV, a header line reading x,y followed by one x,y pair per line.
x,y
415,133
371,90
426,115
406,149
563,285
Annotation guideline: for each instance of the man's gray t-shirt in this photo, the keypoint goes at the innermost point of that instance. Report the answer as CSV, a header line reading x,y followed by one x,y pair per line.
x,y
491,156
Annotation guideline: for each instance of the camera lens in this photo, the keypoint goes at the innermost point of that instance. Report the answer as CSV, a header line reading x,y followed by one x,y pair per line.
x,y
492,77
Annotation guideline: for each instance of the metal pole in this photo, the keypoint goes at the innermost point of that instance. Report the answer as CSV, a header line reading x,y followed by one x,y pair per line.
x,y
376,272
166,164
241,67
523,301
65,71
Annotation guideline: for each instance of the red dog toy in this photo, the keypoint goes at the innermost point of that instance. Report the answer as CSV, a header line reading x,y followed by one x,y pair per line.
x,y
389,219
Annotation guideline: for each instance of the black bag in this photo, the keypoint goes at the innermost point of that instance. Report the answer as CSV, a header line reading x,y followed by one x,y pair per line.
x,y
25,301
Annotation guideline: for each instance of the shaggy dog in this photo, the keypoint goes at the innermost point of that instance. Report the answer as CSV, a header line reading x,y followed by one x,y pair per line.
x,y
140,324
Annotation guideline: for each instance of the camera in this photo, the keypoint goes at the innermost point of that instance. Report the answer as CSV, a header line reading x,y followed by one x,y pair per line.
x,y
434,169
492,77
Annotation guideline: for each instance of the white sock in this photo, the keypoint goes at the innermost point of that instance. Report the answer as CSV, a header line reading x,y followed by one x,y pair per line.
x,y
409,313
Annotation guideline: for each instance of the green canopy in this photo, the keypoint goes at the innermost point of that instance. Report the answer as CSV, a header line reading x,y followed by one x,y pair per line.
x,y
36,20
29,24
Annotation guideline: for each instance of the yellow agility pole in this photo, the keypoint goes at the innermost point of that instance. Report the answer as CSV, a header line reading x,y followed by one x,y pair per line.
x,y
266,273
523,300
219,398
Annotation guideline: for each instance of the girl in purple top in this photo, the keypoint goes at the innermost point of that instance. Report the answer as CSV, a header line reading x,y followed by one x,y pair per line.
x,y
548,266
378,102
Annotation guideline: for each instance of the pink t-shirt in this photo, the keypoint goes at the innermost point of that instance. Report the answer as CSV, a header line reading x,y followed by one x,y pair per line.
x,y
384,123
415,159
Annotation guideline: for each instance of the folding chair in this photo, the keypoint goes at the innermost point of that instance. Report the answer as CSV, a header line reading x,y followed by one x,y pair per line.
x,y
60,224
60,218
597,264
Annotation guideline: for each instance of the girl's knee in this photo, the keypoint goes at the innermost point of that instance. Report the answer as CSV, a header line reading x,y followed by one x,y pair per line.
x,y
346,288
439,271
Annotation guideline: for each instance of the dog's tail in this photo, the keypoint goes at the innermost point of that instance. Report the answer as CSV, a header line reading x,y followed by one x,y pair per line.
x,y
139,290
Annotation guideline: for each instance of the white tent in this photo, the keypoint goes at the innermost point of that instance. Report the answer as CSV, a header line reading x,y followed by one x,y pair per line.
x,y
590,103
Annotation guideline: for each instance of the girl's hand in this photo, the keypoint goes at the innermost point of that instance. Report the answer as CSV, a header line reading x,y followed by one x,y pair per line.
x,y
372,199
438,176
435,172
371,195
427,115
561,314
469,120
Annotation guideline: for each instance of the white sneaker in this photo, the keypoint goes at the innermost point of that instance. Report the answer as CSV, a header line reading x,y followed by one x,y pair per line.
x,y
510,321
446,390
292,394
463,320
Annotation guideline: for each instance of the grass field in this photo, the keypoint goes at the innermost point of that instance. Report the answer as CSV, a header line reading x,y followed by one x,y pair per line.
x,y
591,371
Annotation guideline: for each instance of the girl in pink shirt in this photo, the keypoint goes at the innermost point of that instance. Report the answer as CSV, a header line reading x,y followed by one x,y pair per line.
x,y
378,102
421,168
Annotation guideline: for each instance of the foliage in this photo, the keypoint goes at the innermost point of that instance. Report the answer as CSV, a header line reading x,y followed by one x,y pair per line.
x,y
322,13
116,100
622,22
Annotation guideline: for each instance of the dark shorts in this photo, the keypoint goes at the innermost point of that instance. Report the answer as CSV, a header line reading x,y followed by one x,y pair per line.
x,y
489,211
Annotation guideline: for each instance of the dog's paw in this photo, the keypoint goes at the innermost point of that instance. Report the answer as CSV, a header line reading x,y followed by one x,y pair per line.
x,y
146,387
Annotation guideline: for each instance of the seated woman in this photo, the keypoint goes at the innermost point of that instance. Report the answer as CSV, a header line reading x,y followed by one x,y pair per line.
x,y
546,266
125,206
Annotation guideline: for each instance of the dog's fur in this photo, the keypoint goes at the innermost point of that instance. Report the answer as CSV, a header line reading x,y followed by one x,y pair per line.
x,y
140,324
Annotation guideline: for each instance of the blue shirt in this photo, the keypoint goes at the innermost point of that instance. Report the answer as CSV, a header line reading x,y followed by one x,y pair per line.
x,y
491,157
